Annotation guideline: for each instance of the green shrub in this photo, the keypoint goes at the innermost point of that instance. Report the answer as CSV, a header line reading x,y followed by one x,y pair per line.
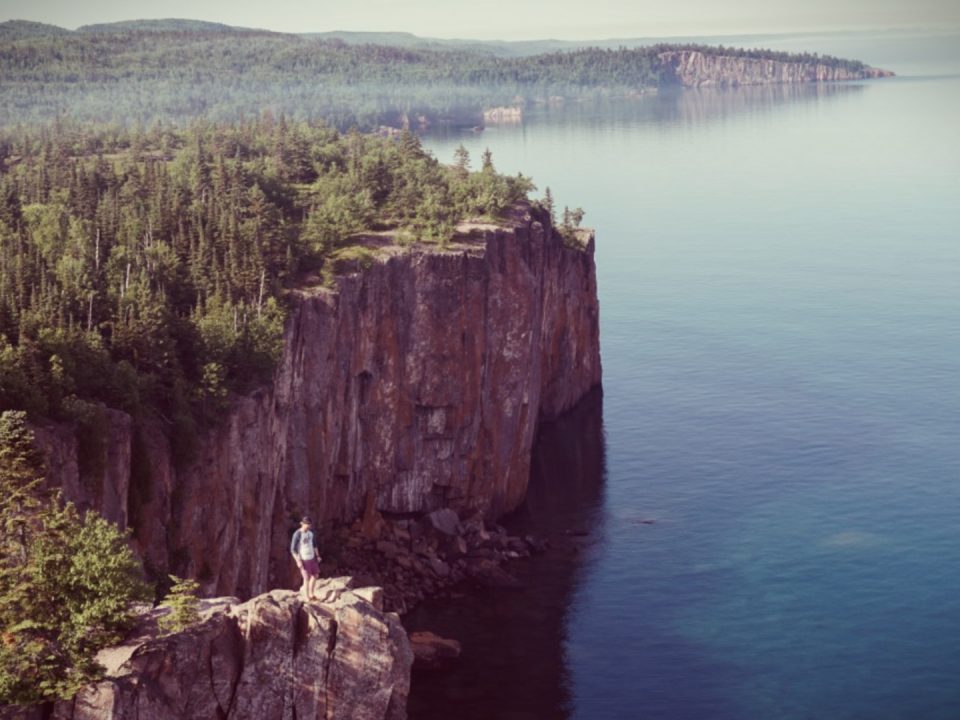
x,y
67,582
183,603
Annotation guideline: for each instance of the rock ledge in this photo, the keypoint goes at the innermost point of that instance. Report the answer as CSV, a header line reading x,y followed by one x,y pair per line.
x,y
271,657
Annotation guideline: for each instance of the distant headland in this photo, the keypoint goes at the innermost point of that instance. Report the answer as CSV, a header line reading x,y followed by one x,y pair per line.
x,y
175,70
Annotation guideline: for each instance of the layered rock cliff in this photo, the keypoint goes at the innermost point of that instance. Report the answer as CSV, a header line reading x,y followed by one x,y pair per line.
x,y
692,68
271,657
415,383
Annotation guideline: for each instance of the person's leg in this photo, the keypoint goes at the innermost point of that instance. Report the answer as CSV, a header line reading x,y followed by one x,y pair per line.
x,y
311,572
305,586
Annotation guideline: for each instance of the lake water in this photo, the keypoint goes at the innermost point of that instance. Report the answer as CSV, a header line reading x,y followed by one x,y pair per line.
x,y
779,275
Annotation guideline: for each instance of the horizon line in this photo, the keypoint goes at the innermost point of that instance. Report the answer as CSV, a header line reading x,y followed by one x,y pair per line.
x,y
929,29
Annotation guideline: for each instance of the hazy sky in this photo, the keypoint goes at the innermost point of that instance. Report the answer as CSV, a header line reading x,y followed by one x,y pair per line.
x,y
512,19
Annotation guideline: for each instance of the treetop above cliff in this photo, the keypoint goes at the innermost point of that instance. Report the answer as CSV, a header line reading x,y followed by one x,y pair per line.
x,y
147,269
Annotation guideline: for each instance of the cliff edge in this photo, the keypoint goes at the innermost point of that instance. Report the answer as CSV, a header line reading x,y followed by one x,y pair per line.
x,y
271,657
415,383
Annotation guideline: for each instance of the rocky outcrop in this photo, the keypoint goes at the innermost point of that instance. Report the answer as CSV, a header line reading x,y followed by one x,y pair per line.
x,y
432,651
271,657
416,559
503,115
692,68
416,383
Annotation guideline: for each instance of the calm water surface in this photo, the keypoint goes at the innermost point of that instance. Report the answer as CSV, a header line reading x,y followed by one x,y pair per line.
x,y
779,274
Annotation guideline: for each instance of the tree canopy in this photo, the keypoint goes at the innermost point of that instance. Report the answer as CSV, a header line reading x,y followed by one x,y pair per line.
x,y
146,269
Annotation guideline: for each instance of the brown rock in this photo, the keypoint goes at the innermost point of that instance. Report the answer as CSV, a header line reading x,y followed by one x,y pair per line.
x,y
488,574
372,524
482,553
439,567
271,657
444,522
473,525
433,651
456,547
387,549
372,595
518,546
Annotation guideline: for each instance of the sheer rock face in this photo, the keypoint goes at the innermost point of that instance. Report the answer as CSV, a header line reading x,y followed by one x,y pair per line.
x,y
691,68
417,383
271,657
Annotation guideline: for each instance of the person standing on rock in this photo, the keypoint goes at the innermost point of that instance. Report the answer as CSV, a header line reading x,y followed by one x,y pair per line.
x,y
303,547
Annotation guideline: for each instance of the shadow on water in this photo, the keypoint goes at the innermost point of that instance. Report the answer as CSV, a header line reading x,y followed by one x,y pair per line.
x,y
513,665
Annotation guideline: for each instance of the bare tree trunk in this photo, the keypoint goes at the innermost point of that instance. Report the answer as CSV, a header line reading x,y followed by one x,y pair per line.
x,y
263,278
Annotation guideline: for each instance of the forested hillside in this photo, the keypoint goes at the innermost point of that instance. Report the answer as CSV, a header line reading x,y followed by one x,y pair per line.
x,y
174,70
146,269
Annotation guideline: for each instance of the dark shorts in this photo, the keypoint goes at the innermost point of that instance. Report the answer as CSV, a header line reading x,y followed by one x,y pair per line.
x,y
310,569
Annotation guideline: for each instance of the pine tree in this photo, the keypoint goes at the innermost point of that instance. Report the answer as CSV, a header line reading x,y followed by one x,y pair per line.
x,y
21,476
549,206
461,160
410,144
183,603
487,159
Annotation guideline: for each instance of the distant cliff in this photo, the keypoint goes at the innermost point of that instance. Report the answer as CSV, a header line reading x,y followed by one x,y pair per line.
x,y
416,383
694,68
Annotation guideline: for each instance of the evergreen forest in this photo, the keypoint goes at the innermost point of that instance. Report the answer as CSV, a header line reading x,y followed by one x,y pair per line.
x,y
177,70
148,270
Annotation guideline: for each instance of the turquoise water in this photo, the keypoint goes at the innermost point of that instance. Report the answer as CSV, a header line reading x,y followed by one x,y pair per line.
x,y
779,276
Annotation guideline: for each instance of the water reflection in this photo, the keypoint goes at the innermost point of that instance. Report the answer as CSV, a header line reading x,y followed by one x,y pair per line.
x,y
513,664
679,107
692,107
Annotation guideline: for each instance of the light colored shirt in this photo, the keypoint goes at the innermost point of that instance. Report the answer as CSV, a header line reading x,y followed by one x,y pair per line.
x,y
303,545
